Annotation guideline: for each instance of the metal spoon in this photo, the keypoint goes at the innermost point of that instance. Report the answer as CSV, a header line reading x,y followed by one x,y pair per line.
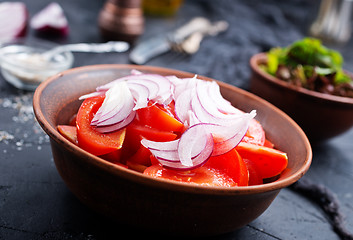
x,y
118,46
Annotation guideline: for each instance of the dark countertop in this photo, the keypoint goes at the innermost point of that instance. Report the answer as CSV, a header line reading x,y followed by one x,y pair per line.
x,y
34,201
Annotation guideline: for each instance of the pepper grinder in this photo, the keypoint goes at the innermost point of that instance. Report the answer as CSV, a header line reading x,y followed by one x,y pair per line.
x,y
121,20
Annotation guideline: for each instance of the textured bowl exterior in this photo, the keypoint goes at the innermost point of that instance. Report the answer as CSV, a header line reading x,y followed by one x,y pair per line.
x,y
162,205
321,116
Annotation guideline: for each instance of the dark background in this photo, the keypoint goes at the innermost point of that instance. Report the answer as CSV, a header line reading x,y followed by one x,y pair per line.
x,y
34,201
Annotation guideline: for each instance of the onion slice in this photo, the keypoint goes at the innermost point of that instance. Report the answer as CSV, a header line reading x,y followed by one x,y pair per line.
x,y
116,108
186,153
195,145
140,94
164,91
228,137
13,20
51,20
94,94
183,105
214,126
119,125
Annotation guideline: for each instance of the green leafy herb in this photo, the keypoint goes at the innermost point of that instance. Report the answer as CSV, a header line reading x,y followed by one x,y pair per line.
x,y
309,64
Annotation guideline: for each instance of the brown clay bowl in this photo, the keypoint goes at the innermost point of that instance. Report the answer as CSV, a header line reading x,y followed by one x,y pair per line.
x,y
131,197
321,116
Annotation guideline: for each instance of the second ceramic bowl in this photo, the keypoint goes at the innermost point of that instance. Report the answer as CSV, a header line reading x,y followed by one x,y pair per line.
x,y
321,116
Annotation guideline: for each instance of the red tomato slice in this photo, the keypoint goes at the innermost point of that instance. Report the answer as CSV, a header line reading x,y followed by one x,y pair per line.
x,y
254,176
268,144
154,160
88,138
136,166
158,118
269,162
149,133
72,121
203,175
69,132
142,156
113,157
232,164
255,134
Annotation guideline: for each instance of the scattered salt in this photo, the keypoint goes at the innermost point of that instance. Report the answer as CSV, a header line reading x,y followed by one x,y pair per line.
x,y
4,136
25,132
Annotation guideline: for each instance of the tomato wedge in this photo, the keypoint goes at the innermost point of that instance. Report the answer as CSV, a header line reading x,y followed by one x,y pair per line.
x,y
88,138
158,118
254,175
269,162
69,132
113,157
141,156
228,169
255,134
205,176
150,133
232,164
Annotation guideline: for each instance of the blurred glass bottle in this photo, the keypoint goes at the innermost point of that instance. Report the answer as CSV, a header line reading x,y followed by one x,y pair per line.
x,y
161,8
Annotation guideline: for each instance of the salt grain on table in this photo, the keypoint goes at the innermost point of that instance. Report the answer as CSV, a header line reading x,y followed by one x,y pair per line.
x,y
27,132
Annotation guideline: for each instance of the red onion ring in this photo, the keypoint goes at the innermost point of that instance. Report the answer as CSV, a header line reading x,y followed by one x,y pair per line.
x,y
51,20
116,107
214,125
140,94
13,20
196,141
119,125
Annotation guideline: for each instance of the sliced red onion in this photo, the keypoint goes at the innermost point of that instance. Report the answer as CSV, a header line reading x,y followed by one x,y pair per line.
x,y
207,110
140,94
50,20
192,119
197,161
229,137
183,105
135,72
170,158
116,108
183,84
193,148
214,125
119,125
94,94
161,146
203,90
197,144
205,114
152,87
223,105
167,151
13,20
194,141
115,100
163,94
116,115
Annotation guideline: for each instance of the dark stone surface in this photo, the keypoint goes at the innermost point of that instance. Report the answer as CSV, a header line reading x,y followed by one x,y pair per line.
x,y
34,201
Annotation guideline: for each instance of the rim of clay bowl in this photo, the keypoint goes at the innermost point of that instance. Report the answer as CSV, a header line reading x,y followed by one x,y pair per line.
x,y
165,183
259,58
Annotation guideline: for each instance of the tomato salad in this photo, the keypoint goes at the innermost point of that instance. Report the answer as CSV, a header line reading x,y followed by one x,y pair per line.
x,y
177,129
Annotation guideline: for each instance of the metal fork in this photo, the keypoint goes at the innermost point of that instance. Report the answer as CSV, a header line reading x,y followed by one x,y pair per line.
x,y
191,44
